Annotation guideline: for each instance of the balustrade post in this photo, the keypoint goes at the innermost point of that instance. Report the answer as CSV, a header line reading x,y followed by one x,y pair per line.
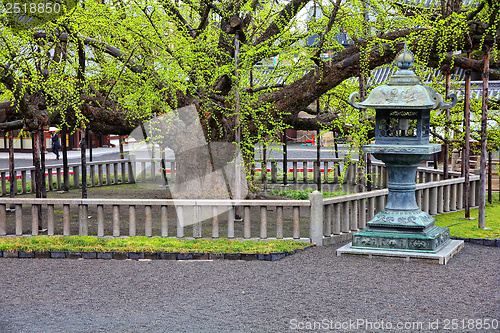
x,y
124,173
433,201
23,181
132,226
143,172
336,219
34,220
425,203
180,221
345,217
215,222
453,198
50,220
66,220
172,172
197,227
49,179
476,192
76,176
472,198
230,223
19,220
164,221
246,222
115,173
446,198
3,219
116,220
92,175
99,174
296,222
83,225
440,200
263,222
274,172
354,216
362,214
100,221
131,168
279,222
327,227
460,196
316,219
148,232
58,179
108,174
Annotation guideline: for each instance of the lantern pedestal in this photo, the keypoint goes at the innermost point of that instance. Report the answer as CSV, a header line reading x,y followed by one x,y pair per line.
x,y
402,225
442,257
402,129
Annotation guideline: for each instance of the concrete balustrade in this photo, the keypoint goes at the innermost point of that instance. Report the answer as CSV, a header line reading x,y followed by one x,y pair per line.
x,y
114,172
330,219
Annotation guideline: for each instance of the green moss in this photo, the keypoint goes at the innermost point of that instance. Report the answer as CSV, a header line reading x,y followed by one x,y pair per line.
x,y
469,228
144,244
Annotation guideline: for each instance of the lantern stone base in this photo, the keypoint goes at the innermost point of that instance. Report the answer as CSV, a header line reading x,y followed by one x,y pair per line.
x,y
441,257
429,240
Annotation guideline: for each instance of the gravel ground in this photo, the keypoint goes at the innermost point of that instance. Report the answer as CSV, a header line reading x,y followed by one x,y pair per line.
x,y
50,295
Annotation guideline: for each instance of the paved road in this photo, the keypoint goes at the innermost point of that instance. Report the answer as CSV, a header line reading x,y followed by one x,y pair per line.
x,y
51,295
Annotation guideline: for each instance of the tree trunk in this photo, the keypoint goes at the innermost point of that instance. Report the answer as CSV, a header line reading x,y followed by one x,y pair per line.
x,y
13,175
65,158
484,124
490,187
42,164
446,152
466,153
83,148
37,182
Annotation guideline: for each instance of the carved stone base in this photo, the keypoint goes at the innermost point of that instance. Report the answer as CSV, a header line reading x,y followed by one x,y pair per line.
x,y
429,240
402,219
442,257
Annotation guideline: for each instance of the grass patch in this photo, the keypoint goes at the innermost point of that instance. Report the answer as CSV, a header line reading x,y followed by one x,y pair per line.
x,y
144,244
468,228
304,194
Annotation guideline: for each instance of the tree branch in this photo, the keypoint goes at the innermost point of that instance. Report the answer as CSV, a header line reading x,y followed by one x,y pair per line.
x,y
284,17
316,57
180,21
254,90
11,125
464,63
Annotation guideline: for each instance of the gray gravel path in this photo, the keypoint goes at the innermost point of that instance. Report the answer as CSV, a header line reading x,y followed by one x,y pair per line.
x,y
50,295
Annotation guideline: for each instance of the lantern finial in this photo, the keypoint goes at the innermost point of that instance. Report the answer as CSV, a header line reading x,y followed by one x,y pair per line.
x,y
405,59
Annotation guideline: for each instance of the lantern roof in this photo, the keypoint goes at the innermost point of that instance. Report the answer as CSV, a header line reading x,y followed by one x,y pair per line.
x,y
404,90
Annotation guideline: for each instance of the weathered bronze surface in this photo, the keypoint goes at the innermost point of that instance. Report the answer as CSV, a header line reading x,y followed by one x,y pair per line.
x,y
402,142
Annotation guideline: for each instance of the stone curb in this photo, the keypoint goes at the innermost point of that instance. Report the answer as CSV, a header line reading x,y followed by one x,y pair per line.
x,y
273,256
481,241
